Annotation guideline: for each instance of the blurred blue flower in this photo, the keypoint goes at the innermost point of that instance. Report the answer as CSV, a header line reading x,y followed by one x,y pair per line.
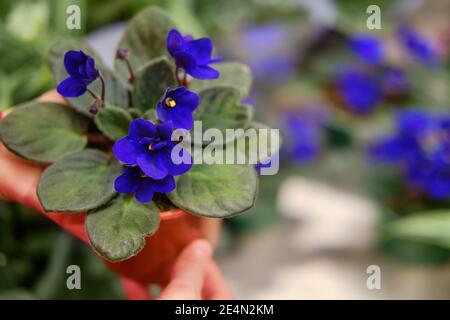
x,y
417,46
133,180
404,144
436,179
368,48
303,135
359,90
421,143
82,71
267,62
394,81
150,147
194,56
177,106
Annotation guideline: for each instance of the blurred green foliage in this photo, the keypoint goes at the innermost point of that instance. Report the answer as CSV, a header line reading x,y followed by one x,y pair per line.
x,y
34,256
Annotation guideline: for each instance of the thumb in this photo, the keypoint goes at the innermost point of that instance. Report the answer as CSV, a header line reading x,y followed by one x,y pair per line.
x,y
188,272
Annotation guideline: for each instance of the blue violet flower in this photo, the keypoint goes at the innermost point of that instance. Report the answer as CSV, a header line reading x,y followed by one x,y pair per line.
x,y
82,71
417,46
359,90
194,56
368,48
304,135
150,147
133,180
177,106
421,143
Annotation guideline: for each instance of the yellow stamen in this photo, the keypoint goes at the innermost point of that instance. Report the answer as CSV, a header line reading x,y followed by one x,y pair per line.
x,y
150,147
143,175
170,102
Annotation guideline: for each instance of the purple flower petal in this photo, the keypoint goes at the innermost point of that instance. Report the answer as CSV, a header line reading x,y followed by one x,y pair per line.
x,y
72,61
165,130
184,60
164,185
148,140
174,42
159,145
413,122
202,72
360,90
141,128
417,46
188,100
152,165
144,192
128,182
181,119
368,48
127,150
162,111
71,87
387,150
215,60
201,49
91,70
176,169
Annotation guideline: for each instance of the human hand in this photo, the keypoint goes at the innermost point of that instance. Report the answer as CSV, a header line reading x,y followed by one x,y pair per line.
x,y
20,178
196,276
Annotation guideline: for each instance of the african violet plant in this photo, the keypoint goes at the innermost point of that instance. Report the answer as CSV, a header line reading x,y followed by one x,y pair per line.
x,y
110,148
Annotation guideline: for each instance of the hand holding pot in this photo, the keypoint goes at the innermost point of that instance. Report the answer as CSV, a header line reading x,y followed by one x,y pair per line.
x,y
151,265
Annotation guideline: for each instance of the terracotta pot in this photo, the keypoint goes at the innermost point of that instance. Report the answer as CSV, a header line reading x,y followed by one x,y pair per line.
x,y
177,229
153,264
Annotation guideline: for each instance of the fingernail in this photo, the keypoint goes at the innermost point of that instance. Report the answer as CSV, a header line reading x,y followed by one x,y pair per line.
x,y
202,248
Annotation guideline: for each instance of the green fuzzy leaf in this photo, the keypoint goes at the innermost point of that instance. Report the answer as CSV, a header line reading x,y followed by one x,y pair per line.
x,y
251,146
79,182
145,39
232,74
220,108
151,83
217,191
135,113
113,122
431,227
117,230
116,92
44,132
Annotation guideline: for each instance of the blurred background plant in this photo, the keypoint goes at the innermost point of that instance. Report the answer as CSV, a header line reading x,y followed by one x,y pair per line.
x,y
363,111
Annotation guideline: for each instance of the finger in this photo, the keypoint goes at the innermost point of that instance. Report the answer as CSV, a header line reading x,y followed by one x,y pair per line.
x,y
188,272
135,290
51,96
210,229
215,287
19,178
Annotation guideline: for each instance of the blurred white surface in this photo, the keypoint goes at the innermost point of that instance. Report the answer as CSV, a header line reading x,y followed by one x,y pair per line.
x,y
321,249
331,218
105,40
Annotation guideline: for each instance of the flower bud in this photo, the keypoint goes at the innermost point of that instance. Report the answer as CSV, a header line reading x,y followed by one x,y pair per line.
x,y
93,109
122,54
